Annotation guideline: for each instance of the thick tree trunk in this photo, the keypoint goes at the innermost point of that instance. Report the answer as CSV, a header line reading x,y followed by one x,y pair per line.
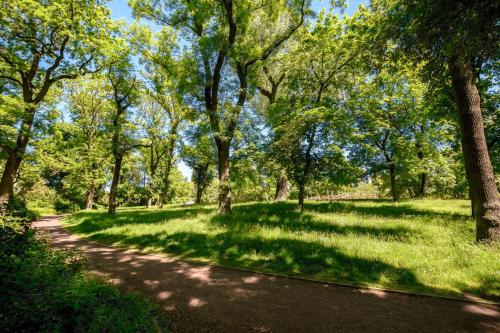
x,y
89,198
8,178
114,184
150,201
224,182
14,159
478,168
282,186
394,189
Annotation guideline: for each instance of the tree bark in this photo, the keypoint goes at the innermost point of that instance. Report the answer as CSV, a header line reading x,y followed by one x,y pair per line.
x,y
282,186
478,168
301,195
423,184
201,181
14,158
89,198
149,203
160,200
199,194
392,175
114,184
224,182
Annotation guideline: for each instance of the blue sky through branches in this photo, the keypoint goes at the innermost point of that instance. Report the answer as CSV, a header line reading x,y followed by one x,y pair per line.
x,y
121,10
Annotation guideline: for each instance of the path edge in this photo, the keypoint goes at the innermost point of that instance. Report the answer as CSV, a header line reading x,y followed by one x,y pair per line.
x,y
300,278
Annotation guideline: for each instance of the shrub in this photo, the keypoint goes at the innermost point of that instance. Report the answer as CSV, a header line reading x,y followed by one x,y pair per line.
x,y
62,205
44,290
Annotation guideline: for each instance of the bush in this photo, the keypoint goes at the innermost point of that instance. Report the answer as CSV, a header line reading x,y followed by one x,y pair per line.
x,y
62,205
45,290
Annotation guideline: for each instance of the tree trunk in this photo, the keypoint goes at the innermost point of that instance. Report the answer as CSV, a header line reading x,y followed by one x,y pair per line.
x,y
224,184
14,159
201,180
423,184
394,190
160,200
150,201
199,193
478,168
423,176
471,204
89,198
114,184
301,195
282,186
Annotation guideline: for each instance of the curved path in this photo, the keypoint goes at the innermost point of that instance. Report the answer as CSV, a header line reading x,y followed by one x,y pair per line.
x,y
204,298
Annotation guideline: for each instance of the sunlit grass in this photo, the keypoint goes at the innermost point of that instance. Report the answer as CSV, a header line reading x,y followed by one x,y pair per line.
x,y
425,246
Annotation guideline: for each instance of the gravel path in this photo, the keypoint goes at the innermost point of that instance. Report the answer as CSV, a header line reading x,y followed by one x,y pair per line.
x,y
204,298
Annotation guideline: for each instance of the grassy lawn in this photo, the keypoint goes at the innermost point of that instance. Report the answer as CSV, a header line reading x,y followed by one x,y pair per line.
x,y
424,246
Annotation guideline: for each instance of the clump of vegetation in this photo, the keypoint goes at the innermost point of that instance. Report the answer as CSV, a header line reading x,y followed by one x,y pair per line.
x,y
44,290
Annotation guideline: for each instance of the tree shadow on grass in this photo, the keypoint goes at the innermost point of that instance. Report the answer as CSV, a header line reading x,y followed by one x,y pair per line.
x,y
278,255
239,247
89,222
382,210
285,216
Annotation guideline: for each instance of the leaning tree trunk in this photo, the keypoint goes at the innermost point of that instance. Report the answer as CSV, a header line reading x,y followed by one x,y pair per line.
x,y
282,186
224,185
114,184
14,159
394,189
478,168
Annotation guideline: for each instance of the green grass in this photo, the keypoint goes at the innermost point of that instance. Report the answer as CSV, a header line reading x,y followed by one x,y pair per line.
x,y
424,246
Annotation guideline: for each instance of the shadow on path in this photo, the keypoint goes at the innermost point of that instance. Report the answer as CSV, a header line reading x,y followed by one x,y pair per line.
x,y
203,298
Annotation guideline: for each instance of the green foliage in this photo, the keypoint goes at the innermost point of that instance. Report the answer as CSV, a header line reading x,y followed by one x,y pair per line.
x,y
421,245
45,290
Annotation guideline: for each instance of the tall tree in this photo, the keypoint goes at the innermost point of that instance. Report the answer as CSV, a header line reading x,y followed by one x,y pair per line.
x,y
321,64
451,36
200,155
41,44
269,84
124,93
90,107
224,40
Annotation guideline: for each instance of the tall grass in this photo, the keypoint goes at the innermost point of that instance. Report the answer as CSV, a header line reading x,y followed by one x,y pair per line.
x,y
424,246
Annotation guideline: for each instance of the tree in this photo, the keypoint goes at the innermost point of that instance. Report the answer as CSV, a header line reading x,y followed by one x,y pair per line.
x,y
225,49
90,108
201,156
41,44
124,93
452,36
270,81
320,67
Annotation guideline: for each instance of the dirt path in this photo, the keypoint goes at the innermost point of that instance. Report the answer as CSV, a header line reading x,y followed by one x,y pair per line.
x,y
203,298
